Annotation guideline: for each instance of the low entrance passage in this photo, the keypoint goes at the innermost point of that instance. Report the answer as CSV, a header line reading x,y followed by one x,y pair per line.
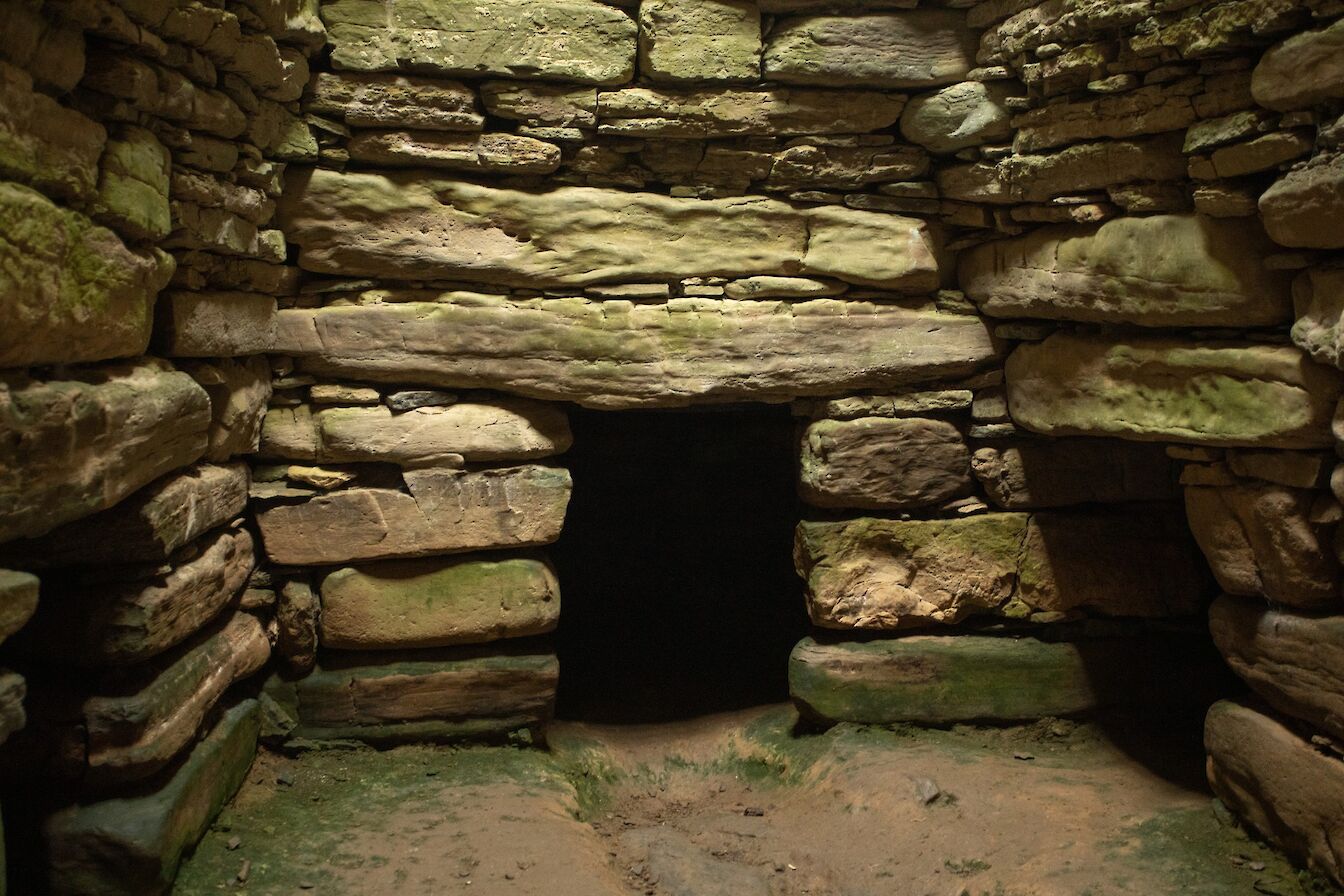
x,y
679,594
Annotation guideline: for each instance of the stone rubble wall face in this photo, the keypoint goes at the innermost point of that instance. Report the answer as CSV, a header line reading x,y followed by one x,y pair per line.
x,y
290,290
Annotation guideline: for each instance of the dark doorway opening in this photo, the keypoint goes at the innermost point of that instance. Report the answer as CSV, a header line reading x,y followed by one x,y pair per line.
x,y
678,595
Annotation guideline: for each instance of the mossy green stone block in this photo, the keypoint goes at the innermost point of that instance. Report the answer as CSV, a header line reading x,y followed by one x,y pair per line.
x,y
131,845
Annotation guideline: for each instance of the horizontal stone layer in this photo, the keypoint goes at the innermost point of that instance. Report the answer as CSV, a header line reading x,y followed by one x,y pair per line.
x,y
1294,661
391,101
616,354
956,679
914,48
214,324
413,225
438,603
1162,389
131,846
742,112
885,574
81,443
1279,783
70,290
126,623
446,511
146,527
484,153
881,463
565,40
421,695
1157,271
506,429
1034,473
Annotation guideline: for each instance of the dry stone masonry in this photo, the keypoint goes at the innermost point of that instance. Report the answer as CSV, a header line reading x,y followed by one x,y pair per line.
x,y
296,295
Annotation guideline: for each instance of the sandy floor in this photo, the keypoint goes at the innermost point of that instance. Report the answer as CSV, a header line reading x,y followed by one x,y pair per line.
x,y
737,804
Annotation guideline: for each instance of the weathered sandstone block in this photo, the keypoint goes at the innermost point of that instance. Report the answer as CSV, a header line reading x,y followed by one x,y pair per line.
x,y
392,101
502,430
239,390
125,623
410,226
1263,540
700,40
1160,389
78,445
1159,271
214,324
133,185
967,114
870,573
44,144
70,290
879,463
556,40
618,354
1295,662
422,695
916,48
484,153
1058,472
559,105
644,112
296,621
446,511
1279,783
131,846
1318,303
1305,70
1302,208
146,527
438,603
18,600
129,724
947,680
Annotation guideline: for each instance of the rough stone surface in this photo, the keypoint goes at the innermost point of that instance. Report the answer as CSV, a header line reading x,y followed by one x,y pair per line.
x,y
879,463
446,511
131,845
484,153
1163,389
1274,779
133,185
957,117
70,290
1301,209
1318,301
126,623
239,391
214,324
507,429
18,600
146,527
423,695
1302,71
44,144
1263,540
297,611
415,227
564,40
1157,271
1294,661
391,101
917,48
646,112
438,603
699,40
1039,473
871,573
80,444
618,354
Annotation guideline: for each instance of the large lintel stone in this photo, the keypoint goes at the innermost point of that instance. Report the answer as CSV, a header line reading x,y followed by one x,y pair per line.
x,y
916,48
618,354
411,225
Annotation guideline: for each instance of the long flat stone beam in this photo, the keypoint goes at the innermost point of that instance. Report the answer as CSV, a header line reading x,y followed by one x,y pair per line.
x,y
621,355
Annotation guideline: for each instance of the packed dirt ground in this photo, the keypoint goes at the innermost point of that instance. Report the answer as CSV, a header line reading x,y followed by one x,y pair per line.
x,y
739,805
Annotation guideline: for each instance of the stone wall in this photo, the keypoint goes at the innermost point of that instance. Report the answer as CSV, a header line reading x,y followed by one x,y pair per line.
x,y
293,295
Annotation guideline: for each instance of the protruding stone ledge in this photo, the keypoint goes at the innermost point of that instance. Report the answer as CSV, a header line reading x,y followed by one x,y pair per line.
x,y
1293,660
557,40
886,574
80,444
618,354
508,429
446,511
416,696
394,101
1276,780
1157,271
1301,209
1161,389
744,112
881,463
18,600
414,225
131,846
438,603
